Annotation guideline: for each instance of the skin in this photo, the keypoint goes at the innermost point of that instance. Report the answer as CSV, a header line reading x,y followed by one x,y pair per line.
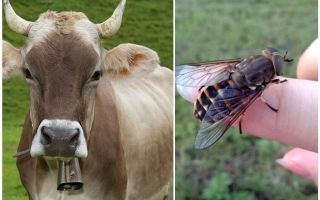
x,y
295,123
300,161
307,66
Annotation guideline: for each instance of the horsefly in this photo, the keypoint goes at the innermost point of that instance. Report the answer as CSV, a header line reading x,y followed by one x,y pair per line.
x,y
227,89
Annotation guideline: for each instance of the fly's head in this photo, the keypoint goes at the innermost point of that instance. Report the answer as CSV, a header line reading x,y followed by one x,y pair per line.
x,y
277,59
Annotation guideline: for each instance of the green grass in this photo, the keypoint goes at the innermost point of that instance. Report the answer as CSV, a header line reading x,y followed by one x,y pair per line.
x,y
145,22
15,103
238,167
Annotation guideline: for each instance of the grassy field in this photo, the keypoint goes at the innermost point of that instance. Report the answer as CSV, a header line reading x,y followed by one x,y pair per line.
x,y
238,167
145,22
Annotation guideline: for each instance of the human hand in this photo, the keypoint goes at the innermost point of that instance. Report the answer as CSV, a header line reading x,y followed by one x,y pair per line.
x,y
299,161
295,123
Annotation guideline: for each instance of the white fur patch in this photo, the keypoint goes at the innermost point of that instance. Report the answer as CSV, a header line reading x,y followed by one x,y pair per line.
x,y
39,31
37,148
89,33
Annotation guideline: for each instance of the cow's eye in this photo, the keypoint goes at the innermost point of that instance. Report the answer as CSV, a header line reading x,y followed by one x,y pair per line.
x,y
27,73
96,76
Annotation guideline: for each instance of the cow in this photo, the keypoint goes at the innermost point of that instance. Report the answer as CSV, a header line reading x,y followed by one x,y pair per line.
x,y
109,111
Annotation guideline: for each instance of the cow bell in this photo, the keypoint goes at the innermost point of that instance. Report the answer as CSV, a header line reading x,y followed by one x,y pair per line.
x,y
69,175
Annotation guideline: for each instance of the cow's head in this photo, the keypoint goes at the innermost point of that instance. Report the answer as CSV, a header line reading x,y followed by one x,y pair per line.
x,y
63,62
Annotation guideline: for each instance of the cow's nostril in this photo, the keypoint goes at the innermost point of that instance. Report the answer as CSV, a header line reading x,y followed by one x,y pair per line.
x,y
75,138
46,138
60,141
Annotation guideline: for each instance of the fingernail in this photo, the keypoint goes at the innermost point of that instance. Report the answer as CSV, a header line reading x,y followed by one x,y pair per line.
x,y
294,166
280,161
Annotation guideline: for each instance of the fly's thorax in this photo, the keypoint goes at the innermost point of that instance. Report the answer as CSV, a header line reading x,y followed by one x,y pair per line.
x,y
253,71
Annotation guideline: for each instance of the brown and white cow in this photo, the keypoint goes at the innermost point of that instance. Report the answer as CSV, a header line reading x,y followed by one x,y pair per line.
x,y
111,109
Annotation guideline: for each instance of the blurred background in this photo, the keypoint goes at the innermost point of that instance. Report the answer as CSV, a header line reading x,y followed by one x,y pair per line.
x,y
145,22
238,167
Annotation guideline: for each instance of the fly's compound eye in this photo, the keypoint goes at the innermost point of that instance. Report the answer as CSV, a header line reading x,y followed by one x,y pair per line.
x,y
269,52
272,50
277,61
96,75
27,73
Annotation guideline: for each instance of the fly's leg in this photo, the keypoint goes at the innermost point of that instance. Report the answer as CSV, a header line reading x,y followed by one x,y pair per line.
x,y
240,124
272,108
277,81
287,59
281,81
200,88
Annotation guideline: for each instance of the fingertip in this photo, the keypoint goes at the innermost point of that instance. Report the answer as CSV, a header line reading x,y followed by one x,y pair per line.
x,y
308,63
301,162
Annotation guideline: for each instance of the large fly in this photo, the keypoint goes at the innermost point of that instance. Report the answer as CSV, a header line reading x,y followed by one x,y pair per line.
x,y
227,89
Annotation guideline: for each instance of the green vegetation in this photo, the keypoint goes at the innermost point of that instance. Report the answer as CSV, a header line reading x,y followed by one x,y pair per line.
x,y
145,22
238,167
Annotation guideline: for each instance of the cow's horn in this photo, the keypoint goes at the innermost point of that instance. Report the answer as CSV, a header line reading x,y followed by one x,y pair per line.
x,y
112,25
15,22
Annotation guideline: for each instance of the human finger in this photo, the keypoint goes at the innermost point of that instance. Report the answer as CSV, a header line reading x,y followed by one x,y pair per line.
x,y
301,162
308,62
296,121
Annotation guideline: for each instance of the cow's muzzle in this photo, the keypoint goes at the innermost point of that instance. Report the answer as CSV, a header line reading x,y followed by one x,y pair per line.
x,y
59,141
59,138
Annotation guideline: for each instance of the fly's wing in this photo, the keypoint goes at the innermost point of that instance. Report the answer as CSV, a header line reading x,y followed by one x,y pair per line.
x,y
204,74
210,130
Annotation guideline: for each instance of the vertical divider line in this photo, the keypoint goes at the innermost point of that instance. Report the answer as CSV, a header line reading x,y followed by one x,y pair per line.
x,y
174,100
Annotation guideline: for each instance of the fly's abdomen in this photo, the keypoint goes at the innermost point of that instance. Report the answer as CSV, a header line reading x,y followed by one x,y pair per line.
x,y
205,100
218,101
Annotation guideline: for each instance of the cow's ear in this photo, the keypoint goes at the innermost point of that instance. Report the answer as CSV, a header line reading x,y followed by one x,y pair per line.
x,y
130,59
11,60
